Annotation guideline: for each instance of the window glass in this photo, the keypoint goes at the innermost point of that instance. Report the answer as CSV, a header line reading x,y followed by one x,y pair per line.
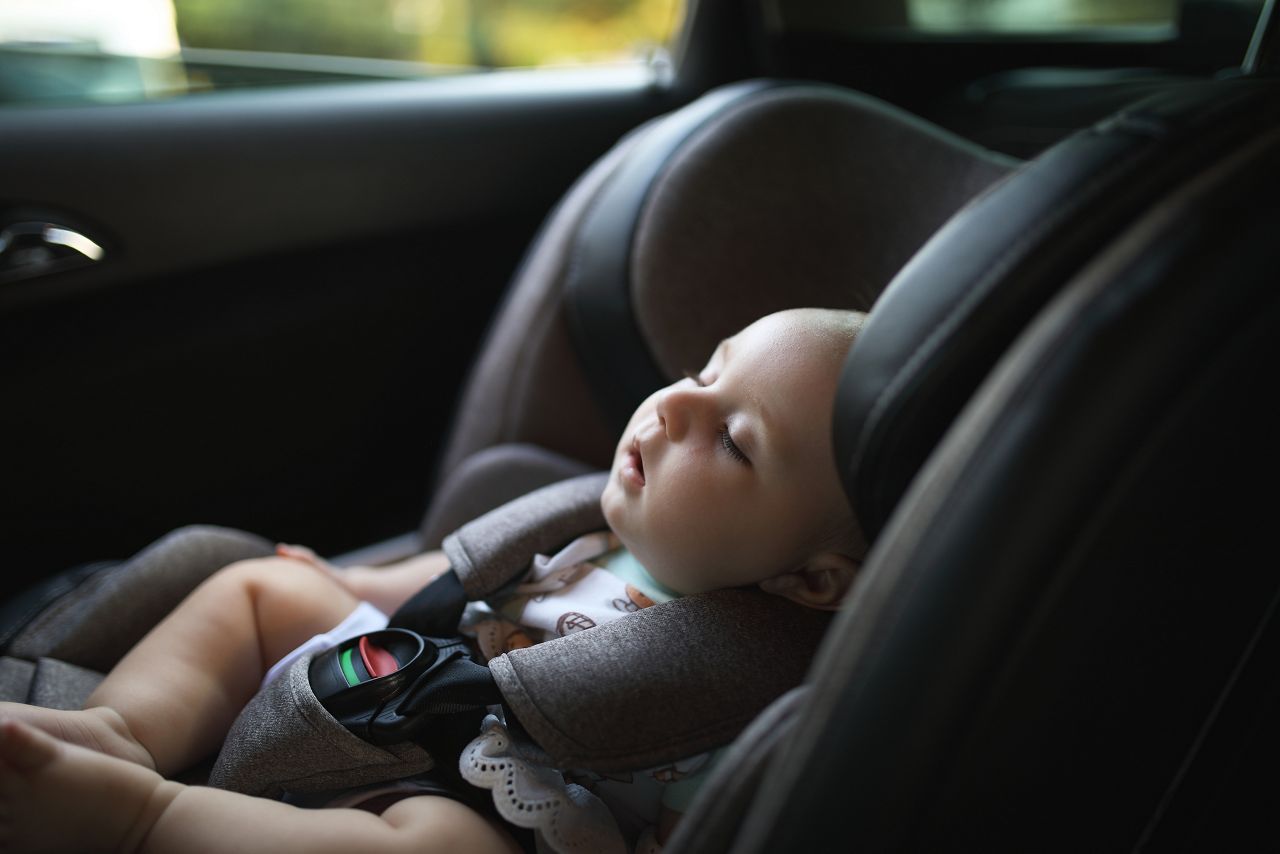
x,y
1029,16
1077,18
111,50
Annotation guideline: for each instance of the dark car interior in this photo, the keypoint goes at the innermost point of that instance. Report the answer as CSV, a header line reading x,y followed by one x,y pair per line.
x,y
353,314
270,245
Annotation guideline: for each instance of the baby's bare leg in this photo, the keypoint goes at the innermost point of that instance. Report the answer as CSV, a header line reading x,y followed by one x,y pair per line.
x,y
58,797
170,701
184,683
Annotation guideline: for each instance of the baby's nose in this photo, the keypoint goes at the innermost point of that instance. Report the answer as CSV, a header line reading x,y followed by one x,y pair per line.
x,y
678,409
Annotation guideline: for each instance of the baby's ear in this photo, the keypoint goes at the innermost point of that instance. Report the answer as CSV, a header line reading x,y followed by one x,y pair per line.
x,y
821,583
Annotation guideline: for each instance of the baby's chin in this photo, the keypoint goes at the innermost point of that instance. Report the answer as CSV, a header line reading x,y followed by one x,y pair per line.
x,y
612,504
615,517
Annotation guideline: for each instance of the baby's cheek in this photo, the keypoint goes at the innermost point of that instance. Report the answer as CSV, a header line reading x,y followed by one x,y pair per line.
x,y
610,504
674,556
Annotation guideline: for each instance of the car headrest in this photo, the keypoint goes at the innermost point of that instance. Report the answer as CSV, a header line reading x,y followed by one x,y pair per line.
x,y
946,318
755,197
1066,637
758,196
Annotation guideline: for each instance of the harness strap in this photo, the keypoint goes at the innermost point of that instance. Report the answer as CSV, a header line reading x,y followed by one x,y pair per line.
x,y
707,664
660,685
673,680
492,550
435,610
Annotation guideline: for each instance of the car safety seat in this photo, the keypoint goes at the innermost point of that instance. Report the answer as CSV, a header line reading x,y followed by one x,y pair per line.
x,y
1064,636
757,196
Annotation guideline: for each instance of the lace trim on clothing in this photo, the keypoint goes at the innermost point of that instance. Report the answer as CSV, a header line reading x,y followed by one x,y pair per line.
x,y
566,817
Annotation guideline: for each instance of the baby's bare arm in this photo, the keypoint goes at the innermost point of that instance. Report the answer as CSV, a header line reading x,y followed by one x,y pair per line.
x,y
184,683
57,797
386,587
389,587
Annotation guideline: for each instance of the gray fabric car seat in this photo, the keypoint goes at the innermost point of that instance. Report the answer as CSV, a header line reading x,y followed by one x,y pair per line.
x,y
773,801
1064,637
955,308
757,196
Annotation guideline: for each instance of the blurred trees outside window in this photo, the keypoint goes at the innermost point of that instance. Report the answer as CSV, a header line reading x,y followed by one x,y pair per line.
x,y
469,33
1037,15
74,51
979,17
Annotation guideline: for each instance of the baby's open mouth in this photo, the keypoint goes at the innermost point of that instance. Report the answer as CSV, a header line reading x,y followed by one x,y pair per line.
x,y
633,468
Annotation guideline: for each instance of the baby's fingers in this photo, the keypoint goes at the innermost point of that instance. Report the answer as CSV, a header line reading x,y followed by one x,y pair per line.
x,y
25,748
305,555
301,553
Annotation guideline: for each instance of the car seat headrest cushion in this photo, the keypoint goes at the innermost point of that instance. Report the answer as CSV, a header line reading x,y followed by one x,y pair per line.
x,y
948,315
798,196
616,356
760,196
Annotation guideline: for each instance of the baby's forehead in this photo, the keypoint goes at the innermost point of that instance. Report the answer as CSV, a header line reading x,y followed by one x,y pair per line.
x,y
795,394
823,329
795,351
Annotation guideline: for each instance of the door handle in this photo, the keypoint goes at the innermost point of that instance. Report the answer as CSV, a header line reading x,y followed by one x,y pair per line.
x,y
37,248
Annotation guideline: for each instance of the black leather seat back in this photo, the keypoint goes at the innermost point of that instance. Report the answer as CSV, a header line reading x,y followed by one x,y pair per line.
x,y
1065,638
955,308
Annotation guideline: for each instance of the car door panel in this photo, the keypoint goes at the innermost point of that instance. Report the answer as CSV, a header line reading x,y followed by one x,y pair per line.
x,y
294,284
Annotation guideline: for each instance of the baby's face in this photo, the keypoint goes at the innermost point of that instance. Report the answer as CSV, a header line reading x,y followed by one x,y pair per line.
x,y
729,478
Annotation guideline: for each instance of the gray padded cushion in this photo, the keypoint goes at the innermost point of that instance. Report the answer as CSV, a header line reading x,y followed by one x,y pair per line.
x,y
492,550
713,249
58,685
588,698
1044,645
285,741
16,675
527,385
95,624
793,196
46,682
489,479
962,299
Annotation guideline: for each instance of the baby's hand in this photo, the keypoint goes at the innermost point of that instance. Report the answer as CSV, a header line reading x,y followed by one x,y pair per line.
x,y
302,554
57,796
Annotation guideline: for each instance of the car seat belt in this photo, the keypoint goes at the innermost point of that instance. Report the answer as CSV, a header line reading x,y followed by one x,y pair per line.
x,y
399,697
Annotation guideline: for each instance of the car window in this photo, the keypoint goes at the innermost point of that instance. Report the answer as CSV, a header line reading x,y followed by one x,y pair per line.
x,y
55,51
1037,16
1077,18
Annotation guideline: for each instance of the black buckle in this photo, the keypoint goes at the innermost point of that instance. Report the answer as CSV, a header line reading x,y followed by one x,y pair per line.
x,y
395,685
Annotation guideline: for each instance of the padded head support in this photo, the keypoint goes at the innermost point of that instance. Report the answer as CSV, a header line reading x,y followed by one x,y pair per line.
x,y
756,197
1067,636
710,662
954,309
